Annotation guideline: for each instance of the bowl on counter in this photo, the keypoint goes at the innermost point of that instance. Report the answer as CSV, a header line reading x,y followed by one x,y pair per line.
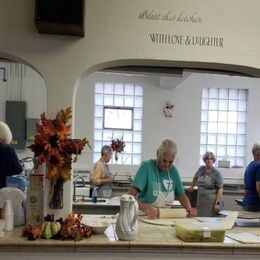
x,y
99,227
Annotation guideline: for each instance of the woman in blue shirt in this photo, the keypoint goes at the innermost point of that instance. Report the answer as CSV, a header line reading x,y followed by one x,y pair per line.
x,y
9,162
251,201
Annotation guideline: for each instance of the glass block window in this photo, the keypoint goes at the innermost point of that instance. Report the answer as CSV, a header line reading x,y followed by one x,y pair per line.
x,y
223,124
111,101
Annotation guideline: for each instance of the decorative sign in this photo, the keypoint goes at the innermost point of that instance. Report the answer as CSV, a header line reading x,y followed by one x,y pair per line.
x,y
179,39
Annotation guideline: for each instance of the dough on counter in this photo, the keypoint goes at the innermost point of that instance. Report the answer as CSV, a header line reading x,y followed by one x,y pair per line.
x,y
172,213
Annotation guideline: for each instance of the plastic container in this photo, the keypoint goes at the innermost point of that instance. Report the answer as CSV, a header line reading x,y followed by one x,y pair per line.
x,y
94,195
189,231
9,215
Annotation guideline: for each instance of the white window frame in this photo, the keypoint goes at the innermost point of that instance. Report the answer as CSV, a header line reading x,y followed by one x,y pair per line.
x,y
223,124
119,95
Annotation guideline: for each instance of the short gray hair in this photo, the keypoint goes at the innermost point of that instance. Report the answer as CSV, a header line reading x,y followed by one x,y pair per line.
x,y
5,133
167,145
106,149
207,154
256,149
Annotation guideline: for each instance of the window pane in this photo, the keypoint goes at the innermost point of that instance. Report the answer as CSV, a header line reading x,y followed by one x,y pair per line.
x,y
232,128
204,127
233,94
99,111
98,135
138,91
204,104
241,140
205,93
108,88
223,124
212,127
231,139
137,137
213,104
231,150
233,105
204,115
232,116
129,89
241,128
212,139
221,151
241,117
213,93
137,125
221,139
128,136
99,88
213,116
222,128
242,94
203,138
223,105
119,89
119,100
138,113
129,101
138,102
99,99
108,100
137,148
242,106
98,123
222,116
223,93
118,96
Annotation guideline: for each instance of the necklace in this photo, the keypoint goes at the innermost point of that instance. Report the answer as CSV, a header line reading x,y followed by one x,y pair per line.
x,y
160,182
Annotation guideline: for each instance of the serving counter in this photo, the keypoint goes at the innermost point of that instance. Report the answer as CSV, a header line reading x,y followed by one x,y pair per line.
x,y
153,240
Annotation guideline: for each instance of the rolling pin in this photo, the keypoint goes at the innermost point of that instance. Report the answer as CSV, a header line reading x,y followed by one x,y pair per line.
x,y
172,213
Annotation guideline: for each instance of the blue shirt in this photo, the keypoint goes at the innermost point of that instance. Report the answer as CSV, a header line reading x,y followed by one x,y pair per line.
x,y
9,163
251,176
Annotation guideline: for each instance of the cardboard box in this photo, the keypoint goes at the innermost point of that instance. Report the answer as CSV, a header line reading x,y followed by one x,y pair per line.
x,y
34,207
37,181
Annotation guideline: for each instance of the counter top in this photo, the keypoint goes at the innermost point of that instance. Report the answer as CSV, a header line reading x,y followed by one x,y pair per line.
x,y
159,239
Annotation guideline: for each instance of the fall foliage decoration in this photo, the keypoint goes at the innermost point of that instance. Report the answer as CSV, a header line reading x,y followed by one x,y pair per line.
x,y
53,146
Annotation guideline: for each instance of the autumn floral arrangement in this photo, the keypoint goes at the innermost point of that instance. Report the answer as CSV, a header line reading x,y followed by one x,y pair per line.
x,y
117,146
53,146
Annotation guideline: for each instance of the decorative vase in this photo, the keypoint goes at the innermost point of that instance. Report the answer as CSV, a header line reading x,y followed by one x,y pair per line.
x,y
56,194
116,156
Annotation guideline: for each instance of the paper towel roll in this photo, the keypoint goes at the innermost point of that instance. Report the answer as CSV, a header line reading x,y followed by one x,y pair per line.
x,y
172,213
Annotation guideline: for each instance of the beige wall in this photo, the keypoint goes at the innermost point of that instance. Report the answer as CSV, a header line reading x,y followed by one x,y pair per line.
x,y
116,36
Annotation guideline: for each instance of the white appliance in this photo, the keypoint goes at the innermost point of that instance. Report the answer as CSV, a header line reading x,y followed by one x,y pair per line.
x,y
126,224
18,199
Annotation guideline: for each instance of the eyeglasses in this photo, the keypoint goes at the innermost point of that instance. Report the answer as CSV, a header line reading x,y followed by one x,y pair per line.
x,y
209,158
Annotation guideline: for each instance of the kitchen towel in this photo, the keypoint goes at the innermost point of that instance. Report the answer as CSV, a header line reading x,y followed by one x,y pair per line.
x,y
245,237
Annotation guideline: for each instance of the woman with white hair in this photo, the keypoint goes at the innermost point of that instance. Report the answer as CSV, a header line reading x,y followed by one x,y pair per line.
x,y
101,176
157,183
9,162
251,201
210,187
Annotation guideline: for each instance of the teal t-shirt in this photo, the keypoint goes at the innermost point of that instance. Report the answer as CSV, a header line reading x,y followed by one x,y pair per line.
x,y
149,180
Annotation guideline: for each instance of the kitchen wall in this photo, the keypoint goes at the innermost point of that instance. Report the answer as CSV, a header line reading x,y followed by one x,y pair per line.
x,y
184,127
118,32
184,91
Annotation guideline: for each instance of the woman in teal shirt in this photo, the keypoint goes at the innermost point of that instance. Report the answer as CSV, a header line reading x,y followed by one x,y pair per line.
x,y
157,182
